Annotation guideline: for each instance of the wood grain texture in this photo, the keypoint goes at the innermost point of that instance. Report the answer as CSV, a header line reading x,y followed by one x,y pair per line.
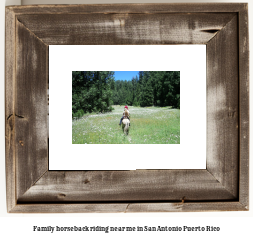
x,y
9,109
118,29
129,8
222,107
244,106
139,185
30,109
223,186
186,207
129,207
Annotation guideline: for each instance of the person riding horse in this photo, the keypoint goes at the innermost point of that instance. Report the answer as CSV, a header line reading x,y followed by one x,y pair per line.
x,y
126,115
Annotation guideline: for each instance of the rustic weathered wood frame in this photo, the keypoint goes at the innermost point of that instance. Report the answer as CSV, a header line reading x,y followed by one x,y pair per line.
x,y
222,186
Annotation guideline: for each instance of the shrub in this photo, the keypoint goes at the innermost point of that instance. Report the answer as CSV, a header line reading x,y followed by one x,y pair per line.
x,y
110,108
78,114
81,112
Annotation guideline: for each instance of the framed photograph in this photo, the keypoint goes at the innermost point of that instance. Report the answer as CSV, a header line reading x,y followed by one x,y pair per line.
x,y
32,35
163,119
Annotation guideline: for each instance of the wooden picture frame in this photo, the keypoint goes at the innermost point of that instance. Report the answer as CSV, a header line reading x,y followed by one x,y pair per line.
x,y
222,186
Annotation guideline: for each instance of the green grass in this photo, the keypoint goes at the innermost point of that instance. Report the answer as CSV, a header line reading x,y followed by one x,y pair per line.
x,y
152,125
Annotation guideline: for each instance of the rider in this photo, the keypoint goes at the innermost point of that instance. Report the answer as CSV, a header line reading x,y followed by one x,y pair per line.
x,y
125,108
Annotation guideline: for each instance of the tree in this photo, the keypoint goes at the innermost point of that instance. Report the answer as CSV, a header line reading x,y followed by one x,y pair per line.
x,y
92,91
98,90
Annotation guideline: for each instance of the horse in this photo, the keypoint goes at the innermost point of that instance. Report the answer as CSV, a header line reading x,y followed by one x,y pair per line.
x,y
125,126
125,122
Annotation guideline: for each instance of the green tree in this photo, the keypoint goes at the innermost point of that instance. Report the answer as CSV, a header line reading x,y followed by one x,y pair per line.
x,y
92,91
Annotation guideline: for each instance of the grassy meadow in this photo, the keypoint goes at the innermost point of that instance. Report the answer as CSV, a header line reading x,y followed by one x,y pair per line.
x,y
149,125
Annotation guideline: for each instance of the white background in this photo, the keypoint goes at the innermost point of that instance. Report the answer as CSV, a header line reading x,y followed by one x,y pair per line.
x,y
233,224
190,60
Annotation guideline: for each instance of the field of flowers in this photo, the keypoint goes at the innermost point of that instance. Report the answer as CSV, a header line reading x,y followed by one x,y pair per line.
x,y
150,125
